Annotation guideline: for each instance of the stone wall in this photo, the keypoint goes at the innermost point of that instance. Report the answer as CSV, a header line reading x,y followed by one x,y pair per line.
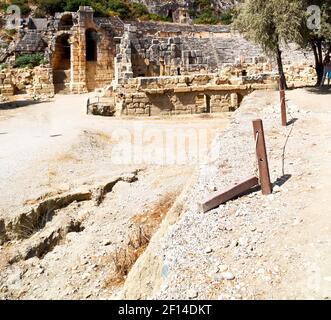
x,y
37,81
208,93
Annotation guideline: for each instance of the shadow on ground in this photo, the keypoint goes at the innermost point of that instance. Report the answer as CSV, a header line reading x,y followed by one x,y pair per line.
x,y
19,104
319,90
282,180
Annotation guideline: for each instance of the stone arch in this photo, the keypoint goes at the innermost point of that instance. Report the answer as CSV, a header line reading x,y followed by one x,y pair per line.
x,y
170,14
66,22
61,62
62,53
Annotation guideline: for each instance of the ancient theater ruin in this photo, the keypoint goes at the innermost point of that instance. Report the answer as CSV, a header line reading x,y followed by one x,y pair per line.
x,y
144,68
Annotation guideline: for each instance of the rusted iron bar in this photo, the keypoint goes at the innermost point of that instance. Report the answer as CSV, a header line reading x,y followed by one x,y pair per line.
x,y
262,159
218,198
283,107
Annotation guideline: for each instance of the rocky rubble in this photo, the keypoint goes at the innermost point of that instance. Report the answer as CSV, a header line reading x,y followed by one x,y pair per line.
x,y
35,82
224,254
213,253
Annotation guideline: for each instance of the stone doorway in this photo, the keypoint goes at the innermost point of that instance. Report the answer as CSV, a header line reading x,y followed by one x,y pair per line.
x,y
61,63
207,103
91,58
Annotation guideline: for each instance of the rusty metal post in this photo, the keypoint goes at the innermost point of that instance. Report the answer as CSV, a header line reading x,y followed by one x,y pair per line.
x,y
218,198
262,158
283,107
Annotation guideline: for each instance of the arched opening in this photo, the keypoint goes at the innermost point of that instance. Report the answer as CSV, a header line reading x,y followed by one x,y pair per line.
x,y
66,22
91,45
178,71
91,58
170,15
61,63
62,54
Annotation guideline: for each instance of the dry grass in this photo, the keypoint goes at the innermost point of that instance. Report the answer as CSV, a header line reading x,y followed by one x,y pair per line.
x,y
145,227
152,219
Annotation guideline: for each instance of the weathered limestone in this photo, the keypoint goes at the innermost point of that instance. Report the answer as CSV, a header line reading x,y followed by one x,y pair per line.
x,y
205,93
87,52
35,81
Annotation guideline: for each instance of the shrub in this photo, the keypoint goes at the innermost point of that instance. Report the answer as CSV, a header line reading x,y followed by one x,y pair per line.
x,y
139,10
11,32
51,6
119,8
73,5
157,17
207,17
3,66
29,60
227,16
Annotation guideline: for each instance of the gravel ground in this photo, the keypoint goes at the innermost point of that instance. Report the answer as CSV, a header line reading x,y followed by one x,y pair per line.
x,y
259,247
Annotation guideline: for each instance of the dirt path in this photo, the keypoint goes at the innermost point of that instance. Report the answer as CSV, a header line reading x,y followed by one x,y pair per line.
x,y
309,277
81,195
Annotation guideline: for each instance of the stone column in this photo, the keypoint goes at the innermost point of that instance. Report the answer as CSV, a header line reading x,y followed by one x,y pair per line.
x,y
78,50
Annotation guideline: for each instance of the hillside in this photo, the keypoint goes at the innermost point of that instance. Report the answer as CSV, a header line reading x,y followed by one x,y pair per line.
x,y
201,11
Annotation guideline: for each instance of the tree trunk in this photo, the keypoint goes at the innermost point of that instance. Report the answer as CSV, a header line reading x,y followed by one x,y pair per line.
x,y
283,84
318,54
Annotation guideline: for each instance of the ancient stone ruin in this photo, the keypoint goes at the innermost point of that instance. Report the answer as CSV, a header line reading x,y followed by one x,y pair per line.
x,y
144,68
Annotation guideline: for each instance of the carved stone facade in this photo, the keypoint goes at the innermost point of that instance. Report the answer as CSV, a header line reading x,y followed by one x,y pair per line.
x,y
87,52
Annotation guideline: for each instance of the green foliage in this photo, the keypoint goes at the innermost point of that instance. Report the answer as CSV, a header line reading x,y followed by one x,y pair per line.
x,y
202,5
267,23
125,9
23,4
3,66
228,16
207,17
139,10
119,8
157,17
29,60
203,13
73,5
51,6
11,32
272,22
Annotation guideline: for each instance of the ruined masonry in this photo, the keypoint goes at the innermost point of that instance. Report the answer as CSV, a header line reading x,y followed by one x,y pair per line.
x,y
145,68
